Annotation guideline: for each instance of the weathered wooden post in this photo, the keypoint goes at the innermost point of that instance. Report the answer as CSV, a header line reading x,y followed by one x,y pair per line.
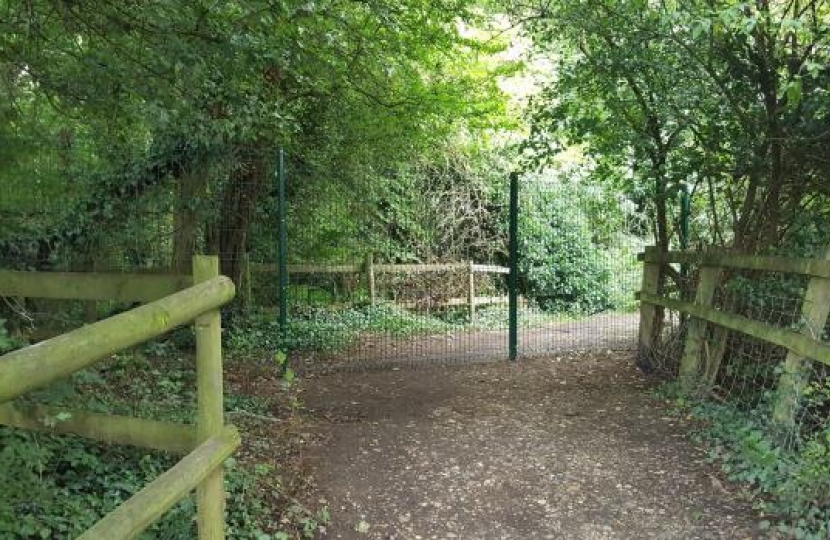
x,y
471,291
690,370
795,375
648,312
714,349
370,277
211,492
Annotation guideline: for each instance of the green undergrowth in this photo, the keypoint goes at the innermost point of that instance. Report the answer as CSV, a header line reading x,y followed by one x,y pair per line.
x,y
333,329
59,486
7,341
787,481
326,329
55,487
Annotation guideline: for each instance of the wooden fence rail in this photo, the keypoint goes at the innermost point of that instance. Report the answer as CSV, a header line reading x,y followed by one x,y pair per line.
x,y
149,504
108,428
801,345
806,267
209,442
91,286
27,369
371,269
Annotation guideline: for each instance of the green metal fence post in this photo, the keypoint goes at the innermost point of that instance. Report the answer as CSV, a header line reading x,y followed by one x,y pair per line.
x,y
685,212
283,248
513,278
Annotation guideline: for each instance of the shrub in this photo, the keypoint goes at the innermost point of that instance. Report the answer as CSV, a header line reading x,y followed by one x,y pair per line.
x,y
562,269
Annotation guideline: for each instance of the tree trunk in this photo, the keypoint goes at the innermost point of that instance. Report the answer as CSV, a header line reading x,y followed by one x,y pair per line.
x,y
662,230
190,188
241,194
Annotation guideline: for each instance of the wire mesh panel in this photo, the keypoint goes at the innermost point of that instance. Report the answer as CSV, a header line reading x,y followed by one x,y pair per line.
x,y
383,312
578,273
410,270
747,374
441,292
69,204
745,370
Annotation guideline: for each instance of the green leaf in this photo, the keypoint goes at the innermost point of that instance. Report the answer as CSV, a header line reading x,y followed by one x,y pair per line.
x,y
793,92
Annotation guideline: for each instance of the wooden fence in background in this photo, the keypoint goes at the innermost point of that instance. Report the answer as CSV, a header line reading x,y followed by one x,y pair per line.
x,y
370,269
802,346
174,301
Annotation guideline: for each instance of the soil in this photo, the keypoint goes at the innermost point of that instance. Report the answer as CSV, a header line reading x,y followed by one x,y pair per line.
x,y
373,351
569,445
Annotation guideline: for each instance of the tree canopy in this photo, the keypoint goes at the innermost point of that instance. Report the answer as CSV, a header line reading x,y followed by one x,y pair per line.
x,y
105,101
136,133
727,98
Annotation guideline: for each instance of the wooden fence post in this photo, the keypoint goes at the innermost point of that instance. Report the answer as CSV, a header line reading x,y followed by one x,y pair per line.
x,y
471,290
210,493
714,351
370,277
795,374
690,371
648,312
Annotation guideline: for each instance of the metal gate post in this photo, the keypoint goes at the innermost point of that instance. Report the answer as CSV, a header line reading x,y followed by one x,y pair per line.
x,y
283,248
513,278
685,213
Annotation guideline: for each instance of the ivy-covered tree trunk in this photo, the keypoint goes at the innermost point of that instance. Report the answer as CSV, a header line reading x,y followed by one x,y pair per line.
x,y
239,199
190,192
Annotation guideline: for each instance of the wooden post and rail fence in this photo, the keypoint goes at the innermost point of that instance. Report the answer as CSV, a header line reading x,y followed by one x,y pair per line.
x,y
173,301
700,362
370,269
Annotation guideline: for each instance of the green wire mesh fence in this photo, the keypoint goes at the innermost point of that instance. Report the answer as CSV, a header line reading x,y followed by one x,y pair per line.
x,y
445,297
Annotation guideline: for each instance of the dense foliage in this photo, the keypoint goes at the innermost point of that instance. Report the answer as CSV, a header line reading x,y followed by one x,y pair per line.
x,y
564,269
155,101
135,134
57,486
725,98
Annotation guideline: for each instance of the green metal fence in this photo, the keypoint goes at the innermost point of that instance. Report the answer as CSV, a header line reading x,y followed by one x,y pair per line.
x,y
551,267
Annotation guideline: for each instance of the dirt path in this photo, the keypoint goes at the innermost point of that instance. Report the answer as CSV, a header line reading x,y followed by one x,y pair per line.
x,y
605,331
569,446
